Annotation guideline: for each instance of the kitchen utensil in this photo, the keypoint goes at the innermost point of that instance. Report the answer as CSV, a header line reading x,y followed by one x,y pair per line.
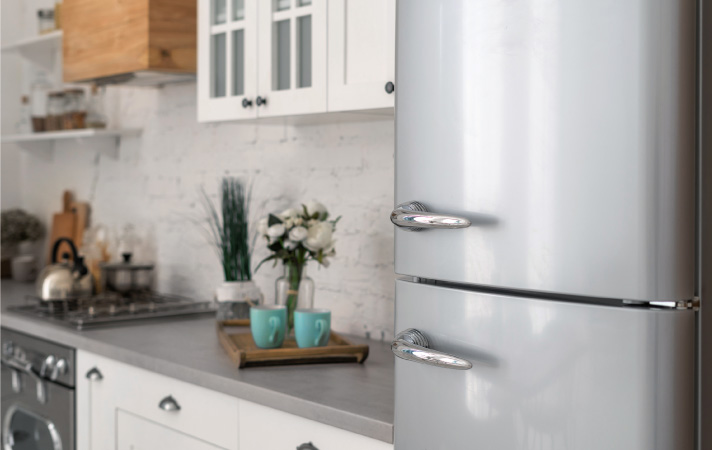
x,y
242,349
65,280
63,225
268,324
81,211
125,277
311,327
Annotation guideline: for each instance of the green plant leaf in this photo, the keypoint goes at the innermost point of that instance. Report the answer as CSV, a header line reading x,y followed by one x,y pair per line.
x,y
273,220
275,246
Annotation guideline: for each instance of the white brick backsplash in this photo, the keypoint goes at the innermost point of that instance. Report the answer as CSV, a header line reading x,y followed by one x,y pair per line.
x,y
154,182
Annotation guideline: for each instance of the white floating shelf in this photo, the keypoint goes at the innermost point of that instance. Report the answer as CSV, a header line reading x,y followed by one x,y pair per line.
x,y
70,134
37,44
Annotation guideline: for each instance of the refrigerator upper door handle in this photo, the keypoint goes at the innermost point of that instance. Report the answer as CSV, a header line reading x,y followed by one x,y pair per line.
x,y
412,345
414,216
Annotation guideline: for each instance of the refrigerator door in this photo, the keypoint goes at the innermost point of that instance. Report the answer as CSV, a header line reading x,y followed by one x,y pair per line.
x,y
563,130
546,375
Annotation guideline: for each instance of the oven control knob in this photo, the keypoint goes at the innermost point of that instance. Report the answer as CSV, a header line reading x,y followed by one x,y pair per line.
x,y
59,369
8,348
47,365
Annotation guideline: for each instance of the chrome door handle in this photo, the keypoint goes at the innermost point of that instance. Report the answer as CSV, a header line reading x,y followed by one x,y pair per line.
x,y
169,404
307,446
414,216
94,374
26,368
412,345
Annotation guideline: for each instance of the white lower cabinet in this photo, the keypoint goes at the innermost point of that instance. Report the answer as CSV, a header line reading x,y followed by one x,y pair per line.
x,y
122,407
136,433
115,401
263,428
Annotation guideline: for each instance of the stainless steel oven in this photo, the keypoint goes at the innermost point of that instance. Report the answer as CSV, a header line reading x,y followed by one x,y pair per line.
x,y
37,394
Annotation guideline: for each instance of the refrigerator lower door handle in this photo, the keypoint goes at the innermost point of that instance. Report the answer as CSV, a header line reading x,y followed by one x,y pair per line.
x,y
412,345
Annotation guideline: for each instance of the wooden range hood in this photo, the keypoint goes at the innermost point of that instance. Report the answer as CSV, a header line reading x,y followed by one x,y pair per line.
x,y
139,42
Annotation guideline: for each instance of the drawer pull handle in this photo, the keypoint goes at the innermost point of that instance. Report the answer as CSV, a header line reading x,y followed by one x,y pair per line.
x,y
169,404
307,446
94,374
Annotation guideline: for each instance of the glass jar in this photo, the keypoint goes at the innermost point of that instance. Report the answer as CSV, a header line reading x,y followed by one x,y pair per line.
x,y
295,290
75,111
55,111
39,96
23,125
45,20
95,109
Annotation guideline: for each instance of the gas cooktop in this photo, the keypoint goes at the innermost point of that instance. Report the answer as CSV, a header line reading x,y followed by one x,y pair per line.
x,y
111,309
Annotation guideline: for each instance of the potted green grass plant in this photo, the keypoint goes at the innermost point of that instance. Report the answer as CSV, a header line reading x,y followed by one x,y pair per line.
x,y
229,234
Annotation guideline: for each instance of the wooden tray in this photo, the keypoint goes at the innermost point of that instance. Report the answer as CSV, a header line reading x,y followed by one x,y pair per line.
x,y
243,351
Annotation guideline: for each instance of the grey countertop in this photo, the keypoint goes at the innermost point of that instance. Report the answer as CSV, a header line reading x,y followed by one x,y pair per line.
x,y
354,397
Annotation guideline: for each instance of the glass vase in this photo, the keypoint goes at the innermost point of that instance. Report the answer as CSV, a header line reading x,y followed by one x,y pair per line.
x,y
295,290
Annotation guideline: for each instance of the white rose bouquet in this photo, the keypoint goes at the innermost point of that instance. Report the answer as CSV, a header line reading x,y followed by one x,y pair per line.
x,y
295,237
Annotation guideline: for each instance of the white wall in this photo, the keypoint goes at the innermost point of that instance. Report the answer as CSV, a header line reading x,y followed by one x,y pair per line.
x,y
154,180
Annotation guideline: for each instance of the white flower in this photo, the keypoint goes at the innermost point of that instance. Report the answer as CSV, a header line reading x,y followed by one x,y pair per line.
x,y
315,207
325,262
298,234
275,231
290,244
262,226
289,212
298,221
319,236
288,223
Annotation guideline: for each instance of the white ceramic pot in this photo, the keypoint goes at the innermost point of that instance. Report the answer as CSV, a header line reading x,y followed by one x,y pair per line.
x,y
24,268
235,299
238,291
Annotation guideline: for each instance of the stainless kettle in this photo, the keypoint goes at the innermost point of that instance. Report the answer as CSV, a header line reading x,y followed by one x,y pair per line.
x,y
65,280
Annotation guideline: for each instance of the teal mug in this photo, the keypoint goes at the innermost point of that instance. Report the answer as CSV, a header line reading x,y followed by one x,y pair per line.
x,y
312,327
268,324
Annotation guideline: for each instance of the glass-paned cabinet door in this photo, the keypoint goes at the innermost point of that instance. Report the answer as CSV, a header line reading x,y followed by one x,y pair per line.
x,y
292,57
362,54
227,59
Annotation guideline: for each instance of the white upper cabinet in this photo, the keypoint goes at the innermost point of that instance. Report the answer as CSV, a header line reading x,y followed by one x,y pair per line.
x,y
227,60
291,57
362,42
266,58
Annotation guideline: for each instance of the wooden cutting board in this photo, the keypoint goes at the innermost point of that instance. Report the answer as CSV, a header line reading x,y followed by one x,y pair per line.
x,y
63,225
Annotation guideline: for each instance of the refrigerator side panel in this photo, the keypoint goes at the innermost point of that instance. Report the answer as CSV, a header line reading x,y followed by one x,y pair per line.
x,y
546,374
564,130
705,232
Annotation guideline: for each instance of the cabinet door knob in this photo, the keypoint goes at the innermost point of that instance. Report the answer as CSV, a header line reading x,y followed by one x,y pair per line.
x,y
261,101
169,404
390,87
307,446
246,103
94,374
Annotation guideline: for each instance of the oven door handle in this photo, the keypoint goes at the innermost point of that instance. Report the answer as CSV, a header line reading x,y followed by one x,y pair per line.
x,y
26,368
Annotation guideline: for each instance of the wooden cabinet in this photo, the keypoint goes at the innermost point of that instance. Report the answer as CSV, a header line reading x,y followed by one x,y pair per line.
x,y
263,428
105,38
118,403
362,56
291,57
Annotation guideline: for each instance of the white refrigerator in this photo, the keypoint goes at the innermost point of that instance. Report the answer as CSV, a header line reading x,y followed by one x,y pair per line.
x,y
545,224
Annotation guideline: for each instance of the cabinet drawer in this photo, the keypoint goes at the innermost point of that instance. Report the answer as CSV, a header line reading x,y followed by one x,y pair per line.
x,y
263,428
190,409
